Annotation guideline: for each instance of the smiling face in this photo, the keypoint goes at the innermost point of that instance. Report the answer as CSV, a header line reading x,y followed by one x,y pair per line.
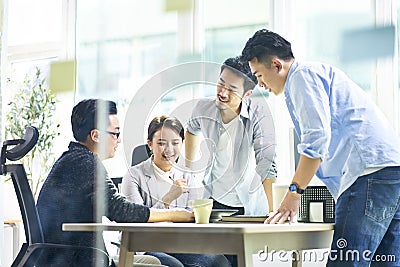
x,y
268,75
230,90
166,145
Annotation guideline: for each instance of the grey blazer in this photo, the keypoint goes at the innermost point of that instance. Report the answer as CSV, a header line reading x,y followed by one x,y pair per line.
x,y
140,185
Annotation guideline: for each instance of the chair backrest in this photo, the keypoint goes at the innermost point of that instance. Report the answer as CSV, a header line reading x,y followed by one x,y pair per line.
x,y
20,147
26,201
140,153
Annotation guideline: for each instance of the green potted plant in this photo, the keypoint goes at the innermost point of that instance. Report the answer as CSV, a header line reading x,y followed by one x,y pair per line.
x,y
34,104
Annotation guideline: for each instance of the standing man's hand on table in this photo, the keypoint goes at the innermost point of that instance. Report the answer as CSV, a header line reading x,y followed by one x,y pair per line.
x,y
288,209
290,204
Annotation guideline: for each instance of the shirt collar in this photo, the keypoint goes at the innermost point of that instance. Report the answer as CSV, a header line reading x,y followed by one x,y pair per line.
x,y
161,172
77,146
293,67
244,109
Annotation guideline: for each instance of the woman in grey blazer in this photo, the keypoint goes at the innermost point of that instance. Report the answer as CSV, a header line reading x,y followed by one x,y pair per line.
x,y
159,182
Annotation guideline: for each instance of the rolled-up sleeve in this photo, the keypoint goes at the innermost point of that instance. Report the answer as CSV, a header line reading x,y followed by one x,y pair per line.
x,y
314,110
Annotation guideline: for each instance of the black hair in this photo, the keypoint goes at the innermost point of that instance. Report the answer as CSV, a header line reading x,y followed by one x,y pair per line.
x,y
265,44
242,69
84,116
165,121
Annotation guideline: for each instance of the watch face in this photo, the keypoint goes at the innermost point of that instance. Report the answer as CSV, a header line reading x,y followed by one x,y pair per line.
x,y
292,188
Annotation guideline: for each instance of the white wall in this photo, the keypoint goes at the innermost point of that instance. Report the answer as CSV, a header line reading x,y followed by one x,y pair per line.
x,y
1,221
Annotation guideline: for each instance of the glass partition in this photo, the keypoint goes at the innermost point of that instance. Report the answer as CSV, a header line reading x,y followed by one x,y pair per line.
x,y
320,30
122,44
398,51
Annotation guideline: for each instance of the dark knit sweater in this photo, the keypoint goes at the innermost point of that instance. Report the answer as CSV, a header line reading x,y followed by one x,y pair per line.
x,y
69,196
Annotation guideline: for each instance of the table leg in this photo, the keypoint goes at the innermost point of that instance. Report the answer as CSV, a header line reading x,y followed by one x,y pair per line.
x,y
125,256
245,259
297,258
240,260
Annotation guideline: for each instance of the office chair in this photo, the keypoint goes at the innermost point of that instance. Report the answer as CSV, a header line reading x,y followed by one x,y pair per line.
x,y
32,253
140,153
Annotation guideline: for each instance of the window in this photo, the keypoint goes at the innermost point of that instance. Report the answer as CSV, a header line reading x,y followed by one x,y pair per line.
x,y
319,33
122,44
38,33
34,35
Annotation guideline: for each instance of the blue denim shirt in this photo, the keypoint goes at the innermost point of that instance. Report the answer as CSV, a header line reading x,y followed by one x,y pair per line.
x,y
256,135
339,123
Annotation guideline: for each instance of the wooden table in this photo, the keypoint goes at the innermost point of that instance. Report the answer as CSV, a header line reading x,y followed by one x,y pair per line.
x,y
244,240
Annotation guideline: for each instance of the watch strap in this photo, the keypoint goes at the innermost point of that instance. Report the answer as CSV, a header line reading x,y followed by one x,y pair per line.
x,y
294,187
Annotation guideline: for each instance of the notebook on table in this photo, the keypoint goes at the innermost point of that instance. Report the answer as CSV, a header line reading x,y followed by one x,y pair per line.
x,y
244,218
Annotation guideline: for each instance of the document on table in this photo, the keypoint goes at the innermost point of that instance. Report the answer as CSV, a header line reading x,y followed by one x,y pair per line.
x,y
244,218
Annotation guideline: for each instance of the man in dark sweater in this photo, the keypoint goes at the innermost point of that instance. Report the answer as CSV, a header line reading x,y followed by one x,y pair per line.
x,y
78,189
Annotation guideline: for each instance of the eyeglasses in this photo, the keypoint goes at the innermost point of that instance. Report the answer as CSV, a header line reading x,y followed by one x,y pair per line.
x,y
230,89
116,134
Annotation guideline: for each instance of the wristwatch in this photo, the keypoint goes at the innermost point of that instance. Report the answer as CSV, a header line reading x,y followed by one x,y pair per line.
x,y
295,188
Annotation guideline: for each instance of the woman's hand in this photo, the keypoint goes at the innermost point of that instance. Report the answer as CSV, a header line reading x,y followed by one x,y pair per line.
x,y
179,187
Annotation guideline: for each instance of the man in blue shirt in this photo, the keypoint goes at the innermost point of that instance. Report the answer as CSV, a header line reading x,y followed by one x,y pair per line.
x,y
346,141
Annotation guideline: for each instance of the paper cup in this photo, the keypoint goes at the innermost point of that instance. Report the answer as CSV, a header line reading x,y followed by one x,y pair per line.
x,y
202,209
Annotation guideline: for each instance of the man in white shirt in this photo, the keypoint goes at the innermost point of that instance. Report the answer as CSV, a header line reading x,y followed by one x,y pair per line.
x,y
241,140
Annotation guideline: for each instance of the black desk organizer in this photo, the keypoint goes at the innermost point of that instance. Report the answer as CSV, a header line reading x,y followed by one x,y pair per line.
x,y
317,194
